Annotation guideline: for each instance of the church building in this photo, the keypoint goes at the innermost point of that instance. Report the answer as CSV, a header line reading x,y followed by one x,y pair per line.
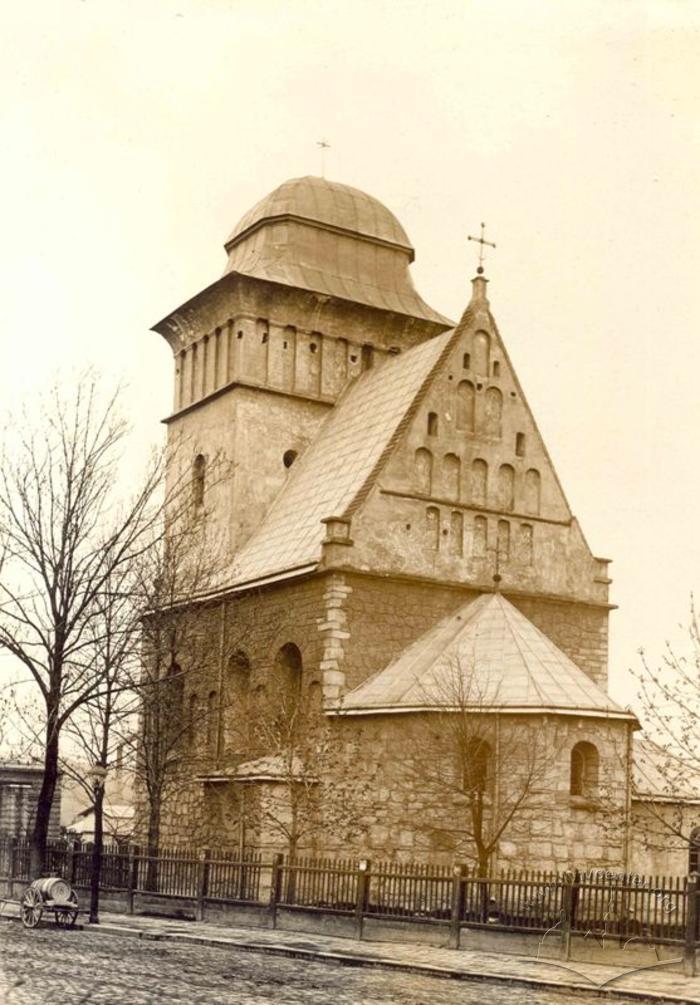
x,y
399,575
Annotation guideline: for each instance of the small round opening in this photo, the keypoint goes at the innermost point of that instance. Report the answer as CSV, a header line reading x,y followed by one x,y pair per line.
x,y
288,458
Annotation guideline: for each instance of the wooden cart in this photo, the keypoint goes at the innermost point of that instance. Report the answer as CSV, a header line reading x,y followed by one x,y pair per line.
x,y
52,895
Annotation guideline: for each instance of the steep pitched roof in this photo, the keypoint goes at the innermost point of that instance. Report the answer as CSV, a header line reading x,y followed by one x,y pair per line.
x,y
338,466
487,656
663,776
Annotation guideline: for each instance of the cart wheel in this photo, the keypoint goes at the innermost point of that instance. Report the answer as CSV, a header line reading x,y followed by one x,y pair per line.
x,y
32,908
65,917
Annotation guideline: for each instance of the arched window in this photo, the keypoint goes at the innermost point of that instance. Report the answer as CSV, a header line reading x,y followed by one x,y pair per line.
x,y
493,412
506,488
532,491
456,533
424,471
479,486
525,544
432,424
199,468
584,770
477,769
450,476
432,527
315,697
694,850
212,723
238,677
288,675
503,544
481,351
465,405
480,537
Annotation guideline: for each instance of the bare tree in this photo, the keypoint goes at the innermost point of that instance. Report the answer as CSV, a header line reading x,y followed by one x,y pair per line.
x,y
309,794
97,727
668,758
479,769
172,581
64,533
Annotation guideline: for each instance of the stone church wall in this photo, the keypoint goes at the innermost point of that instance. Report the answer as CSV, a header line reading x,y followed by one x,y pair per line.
x,y
403,821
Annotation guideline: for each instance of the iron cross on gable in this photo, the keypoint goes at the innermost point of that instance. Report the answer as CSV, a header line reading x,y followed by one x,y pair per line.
x,y
482,242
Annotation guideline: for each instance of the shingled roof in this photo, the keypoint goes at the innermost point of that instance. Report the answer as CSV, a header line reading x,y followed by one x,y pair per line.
x,y
486,655
338,466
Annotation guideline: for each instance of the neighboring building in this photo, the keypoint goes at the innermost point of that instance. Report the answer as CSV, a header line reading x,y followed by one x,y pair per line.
x,y
665,823
391,523
20,785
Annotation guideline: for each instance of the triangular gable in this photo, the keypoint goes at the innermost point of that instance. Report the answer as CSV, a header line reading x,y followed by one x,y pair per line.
x,y
338,465
491,656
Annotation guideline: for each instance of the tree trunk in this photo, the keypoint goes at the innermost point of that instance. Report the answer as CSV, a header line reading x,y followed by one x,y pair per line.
x,y
37,859
153,844
96,871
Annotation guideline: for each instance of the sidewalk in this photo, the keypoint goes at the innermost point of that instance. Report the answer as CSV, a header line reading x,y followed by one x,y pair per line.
x,y
659,985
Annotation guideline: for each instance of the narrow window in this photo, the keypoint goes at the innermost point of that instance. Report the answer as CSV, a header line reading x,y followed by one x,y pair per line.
x,y
480,537
424,471
465,405
432,527
520,444
477,768
532,491
503,541
525,544
432,424
493,412
466,361
481,347
496,369
367,356
584,770
199,468
506,488
288,677
450,476
456,533
479,482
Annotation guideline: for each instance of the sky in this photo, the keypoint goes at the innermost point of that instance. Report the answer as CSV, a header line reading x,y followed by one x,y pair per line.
x,y
135,135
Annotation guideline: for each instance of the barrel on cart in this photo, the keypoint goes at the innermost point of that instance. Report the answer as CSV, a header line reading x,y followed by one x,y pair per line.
x,y
51,894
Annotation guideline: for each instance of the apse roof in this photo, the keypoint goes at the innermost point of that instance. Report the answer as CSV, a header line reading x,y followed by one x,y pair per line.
x,y
338,464
487,655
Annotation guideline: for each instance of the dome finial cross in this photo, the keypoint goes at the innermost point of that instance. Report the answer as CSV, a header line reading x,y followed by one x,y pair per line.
x,y
481,241
323,145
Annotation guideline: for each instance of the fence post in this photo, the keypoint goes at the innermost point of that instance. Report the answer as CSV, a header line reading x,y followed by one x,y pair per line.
x,y
275,890
202,883
691,924
459,873
567,914
132,878
363,879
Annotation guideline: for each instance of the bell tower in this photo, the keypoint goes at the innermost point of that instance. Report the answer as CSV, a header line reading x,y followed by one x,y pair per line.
x,y
316,289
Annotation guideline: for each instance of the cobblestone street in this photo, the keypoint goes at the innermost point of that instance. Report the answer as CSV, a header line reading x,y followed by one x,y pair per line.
x,y
59,967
